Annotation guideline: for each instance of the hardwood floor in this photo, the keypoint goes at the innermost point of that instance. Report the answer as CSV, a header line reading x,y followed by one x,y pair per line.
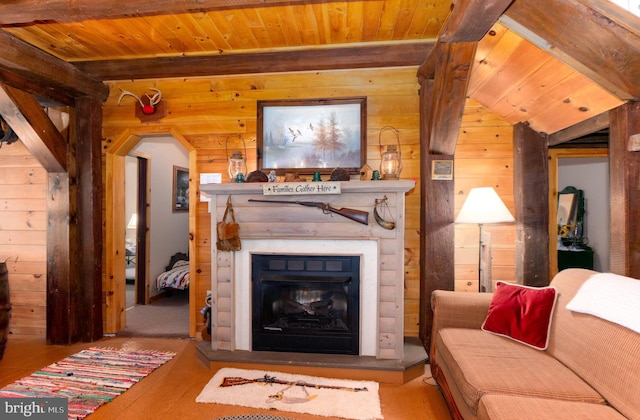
x,y
170,391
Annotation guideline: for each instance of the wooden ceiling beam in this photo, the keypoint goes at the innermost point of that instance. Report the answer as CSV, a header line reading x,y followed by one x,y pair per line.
x,y
592,125
561,28
66,11
453,70
469,21
449,65
29,63
25,115
398,54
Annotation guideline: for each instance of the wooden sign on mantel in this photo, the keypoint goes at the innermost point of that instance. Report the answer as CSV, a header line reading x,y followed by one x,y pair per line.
x,y
300,188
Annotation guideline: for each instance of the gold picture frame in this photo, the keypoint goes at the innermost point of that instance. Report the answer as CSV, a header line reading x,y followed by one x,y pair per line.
x,y
312,135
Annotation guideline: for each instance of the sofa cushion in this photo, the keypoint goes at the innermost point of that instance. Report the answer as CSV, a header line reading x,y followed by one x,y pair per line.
x,y
482,363
521,313
504,407
604,354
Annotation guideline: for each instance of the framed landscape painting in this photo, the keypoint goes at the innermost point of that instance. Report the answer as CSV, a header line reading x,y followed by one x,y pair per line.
x,y
315,135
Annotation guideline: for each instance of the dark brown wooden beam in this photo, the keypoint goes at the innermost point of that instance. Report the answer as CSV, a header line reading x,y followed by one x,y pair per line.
x,y
624,196
45,94
592,125
453,70
19,58
470,20
86,240
60,266
404,54
27,11
531,192
585,38
34,128
436,224
74,234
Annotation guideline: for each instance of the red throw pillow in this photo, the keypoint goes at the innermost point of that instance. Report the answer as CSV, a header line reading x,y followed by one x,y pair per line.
x,y
522,313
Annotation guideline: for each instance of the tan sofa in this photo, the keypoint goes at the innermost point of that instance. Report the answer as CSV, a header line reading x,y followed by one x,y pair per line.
x,y
591,369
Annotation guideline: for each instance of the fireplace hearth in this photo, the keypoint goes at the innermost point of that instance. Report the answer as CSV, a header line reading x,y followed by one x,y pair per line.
x,y
305,303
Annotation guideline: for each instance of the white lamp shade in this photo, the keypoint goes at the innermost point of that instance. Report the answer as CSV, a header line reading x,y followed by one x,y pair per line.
x,y
483,205
133,222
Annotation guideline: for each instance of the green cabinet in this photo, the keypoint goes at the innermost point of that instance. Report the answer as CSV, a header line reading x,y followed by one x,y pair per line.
x,y
581,257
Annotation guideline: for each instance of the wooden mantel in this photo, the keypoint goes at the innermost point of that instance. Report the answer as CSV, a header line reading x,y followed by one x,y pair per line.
x,y
372,187
282,222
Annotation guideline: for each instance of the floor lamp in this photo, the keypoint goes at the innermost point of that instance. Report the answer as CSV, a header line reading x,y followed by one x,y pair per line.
x,y
482,206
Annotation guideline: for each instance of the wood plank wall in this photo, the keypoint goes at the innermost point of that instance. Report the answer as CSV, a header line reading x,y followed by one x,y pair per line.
x,y
484,158
23,223
207,110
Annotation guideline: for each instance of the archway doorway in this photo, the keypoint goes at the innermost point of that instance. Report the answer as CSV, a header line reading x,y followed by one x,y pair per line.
x,y
555,155
115,258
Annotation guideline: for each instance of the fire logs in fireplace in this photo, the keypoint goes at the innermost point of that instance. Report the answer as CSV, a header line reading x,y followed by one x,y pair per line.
x,y
306,303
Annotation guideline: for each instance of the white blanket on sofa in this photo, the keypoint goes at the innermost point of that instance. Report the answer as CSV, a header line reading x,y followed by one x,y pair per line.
x,y
611,297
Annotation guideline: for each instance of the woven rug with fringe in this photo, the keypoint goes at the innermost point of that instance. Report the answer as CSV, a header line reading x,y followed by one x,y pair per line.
x,y
89,378
335,398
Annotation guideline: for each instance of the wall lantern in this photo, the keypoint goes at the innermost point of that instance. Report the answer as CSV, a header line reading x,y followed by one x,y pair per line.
x,y
390,162
237,162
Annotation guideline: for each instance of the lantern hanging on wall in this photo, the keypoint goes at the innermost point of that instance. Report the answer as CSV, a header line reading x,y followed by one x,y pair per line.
x,y
391,161
237,161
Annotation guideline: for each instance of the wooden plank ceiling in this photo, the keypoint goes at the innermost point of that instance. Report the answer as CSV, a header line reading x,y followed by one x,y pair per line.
x,y
514,73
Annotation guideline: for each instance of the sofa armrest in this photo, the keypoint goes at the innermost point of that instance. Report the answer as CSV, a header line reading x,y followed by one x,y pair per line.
x,y
457,310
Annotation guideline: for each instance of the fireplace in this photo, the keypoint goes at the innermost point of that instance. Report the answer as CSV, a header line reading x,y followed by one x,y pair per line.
x,y
305,303
375,323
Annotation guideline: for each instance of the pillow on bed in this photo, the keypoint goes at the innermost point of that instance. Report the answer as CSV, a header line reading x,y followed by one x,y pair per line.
x,y
522,313
180,263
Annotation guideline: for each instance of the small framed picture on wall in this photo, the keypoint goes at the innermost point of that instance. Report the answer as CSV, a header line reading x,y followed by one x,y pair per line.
x,y
180,189
442,170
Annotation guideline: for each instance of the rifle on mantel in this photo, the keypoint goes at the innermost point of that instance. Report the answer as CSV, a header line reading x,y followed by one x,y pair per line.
x,y
351,214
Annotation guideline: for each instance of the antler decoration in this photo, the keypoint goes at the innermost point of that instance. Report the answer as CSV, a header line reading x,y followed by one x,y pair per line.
x,y
149,108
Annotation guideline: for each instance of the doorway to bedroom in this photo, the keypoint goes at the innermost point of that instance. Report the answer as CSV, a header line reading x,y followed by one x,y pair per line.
x,y
157,239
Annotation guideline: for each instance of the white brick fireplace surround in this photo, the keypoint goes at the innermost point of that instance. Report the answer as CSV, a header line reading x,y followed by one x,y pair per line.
x,y
294,229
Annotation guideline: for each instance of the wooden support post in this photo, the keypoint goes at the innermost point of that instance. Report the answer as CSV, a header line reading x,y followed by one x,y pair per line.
x,y
74,235
624,176
531,186
436,224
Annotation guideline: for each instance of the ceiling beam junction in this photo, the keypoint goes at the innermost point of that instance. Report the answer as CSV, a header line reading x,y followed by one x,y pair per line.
x,y
450,63
30,63
27,118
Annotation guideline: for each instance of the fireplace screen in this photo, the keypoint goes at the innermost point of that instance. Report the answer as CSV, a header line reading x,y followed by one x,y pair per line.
x,y
305,303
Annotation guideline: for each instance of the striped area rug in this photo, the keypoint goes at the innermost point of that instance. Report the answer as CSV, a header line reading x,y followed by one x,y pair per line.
x,y
88,379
